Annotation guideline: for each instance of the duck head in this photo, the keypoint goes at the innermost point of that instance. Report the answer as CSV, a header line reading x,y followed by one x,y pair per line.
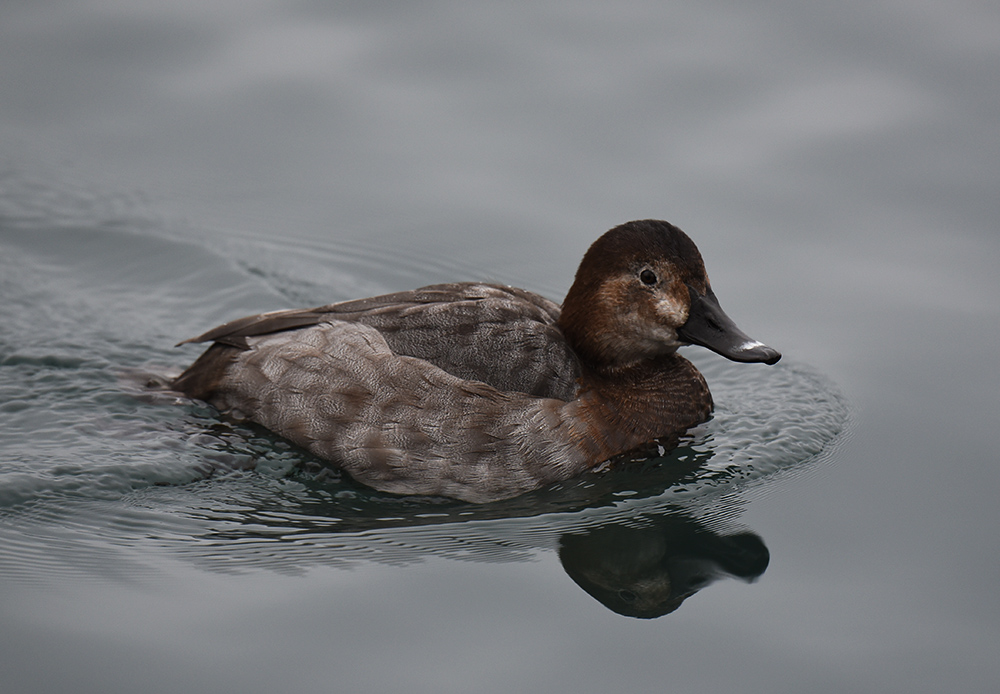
x,y
641,291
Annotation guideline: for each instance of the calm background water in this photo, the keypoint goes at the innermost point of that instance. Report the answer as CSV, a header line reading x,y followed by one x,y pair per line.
x,y
168,166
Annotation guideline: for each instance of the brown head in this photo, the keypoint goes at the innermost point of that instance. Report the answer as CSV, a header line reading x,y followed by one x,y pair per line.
x,y
641,291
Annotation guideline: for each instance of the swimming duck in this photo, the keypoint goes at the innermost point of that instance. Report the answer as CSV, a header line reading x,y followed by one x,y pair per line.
x,y
480,391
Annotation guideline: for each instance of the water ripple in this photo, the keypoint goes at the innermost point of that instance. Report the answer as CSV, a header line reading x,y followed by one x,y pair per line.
x,y
103,477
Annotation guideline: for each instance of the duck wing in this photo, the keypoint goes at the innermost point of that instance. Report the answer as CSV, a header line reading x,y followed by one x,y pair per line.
x,y
502,336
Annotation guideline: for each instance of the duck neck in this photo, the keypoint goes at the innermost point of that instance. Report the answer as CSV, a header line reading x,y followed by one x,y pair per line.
x,y
630,406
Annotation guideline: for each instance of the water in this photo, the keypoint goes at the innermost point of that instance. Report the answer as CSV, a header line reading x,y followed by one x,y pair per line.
x,y
168,167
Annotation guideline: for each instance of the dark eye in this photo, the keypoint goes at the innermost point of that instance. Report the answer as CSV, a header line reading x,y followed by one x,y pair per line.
x,y
647,277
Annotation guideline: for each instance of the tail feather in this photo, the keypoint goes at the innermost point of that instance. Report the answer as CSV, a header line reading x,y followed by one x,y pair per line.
x,y
201,380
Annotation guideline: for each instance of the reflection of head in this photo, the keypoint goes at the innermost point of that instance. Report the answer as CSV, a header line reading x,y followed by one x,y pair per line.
x,y
648,572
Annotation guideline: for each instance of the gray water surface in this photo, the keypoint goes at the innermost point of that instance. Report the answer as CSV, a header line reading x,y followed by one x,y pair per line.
x,y
168,167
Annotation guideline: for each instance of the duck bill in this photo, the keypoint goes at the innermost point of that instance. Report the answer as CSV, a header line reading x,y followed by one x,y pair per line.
x,y
709,326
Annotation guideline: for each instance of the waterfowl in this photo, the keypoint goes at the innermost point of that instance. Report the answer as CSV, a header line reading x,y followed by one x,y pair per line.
x,y
480,391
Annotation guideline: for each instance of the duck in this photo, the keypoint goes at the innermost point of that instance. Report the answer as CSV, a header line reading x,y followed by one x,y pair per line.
x,y
482,392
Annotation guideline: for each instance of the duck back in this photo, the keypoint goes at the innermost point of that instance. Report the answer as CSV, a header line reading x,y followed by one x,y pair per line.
x,y
502,336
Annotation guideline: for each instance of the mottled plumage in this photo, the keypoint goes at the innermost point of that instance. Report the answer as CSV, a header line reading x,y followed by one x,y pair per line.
x,y
479,391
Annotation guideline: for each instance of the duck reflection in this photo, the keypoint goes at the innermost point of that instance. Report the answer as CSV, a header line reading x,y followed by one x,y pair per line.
x,y
649,571
623,535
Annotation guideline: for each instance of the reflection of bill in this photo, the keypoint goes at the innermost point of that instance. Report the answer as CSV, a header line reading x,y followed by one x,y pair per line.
x,y
649,571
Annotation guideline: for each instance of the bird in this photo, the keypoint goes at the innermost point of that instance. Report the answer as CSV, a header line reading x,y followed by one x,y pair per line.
x,y
482,392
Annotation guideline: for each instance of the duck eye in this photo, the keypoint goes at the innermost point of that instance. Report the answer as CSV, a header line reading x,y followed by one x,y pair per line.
x,y
647,277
